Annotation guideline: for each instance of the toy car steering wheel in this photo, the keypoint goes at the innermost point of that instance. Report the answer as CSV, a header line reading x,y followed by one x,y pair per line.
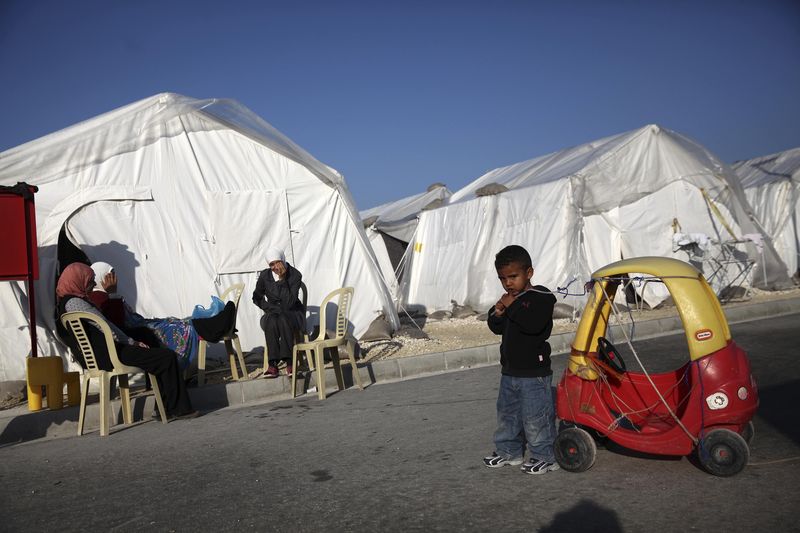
x,y
610,355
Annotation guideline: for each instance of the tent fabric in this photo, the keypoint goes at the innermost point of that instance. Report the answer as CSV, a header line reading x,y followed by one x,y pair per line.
x,y
398,218
772,187
394,223
578,209
184,196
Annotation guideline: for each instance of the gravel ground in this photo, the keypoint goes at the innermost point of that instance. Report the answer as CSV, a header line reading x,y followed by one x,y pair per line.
x,y
429,335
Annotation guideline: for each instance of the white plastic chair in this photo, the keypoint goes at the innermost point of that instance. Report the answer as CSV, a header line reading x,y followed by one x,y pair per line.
x,y
74,321
339,337
231,339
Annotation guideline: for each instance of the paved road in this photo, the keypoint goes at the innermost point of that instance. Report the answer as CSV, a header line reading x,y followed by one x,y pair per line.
x,y
401,456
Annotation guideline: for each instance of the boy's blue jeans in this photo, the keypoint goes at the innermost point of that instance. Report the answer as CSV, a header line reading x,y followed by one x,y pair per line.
x,y
525,412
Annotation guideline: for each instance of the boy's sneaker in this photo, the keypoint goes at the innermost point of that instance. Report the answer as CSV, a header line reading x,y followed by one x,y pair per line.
x,y
495,461
539,467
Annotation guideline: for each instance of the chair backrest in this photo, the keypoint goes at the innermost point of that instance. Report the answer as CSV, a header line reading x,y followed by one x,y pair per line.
x,y
74,321
345,297
304,297
233,293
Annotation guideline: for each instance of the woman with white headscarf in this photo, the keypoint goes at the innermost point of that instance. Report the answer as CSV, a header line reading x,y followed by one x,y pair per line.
x,y
277,293
174,333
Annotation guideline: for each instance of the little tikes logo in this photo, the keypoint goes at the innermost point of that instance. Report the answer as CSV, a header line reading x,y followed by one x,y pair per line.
x,y
703,334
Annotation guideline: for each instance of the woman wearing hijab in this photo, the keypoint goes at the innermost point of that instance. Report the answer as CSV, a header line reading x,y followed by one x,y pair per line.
x,y
277,294
73,289
174,333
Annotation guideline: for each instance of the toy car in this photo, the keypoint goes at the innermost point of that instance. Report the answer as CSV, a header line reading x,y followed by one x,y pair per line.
x,y
705,406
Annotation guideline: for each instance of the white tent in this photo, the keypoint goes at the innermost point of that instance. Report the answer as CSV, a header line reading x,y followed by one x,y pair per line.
x,y
578,209
772,186
184,196
392,225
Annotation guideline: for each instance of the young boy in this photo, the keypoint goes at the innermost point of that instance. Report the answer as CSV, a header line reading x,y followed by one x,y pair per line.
x,y
525,410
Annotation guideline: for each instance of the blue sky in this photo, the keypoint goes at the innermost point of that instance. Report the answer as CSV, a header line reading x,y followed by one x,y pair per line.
x,y
398,95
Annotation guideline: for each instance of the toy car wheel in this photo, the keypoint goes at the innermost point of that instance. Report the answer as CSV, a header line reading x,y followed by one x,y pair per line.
x,y
723,452
748,433
575,449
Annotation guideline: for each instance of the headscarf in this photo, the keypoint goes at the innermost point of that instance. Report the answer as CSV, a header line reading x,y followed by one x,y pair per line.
x,y
275,254
76,280
101,269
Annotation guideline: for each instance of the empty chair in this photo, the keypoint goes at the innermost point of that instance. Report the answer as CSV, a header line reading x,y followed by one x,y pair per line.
x,y
74,321
230,338
333,339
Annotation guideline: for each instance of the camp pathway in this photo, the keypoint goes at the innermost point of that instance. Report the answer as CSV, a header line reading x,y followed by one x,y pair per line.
x,y
401,456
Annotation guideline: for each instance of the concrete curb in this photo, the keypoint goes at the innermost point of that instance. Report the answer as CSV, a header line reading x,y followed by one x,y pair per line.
x,y
19,425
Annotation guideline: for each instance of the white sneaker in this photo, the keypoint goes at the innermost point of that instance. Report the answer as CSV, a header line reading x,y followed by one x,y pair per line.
x,y
539,467
496,461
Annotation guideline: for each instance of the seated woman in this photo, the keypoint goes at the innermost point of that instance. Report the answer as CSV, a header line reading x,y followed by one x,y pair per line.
x,y
74,286
174,333
277,294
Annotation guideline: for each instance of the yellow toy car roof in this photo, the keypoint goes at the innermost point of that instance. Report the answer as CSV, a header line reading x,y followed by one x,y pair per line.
x,y
703,319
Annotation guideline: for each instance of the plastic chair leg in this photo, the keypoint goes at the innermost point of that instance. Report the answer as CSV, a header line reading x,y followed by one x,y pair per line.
x,y
294,370
125,399
318,354
299,338
232,362
351,352
337,368
159,400
239,353
201,363
84,396
105,403
310,361
232,359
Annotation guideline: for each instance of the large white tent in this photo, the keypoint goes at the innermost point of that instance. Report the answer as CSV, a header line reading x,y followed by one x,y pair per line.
x,y
772,186
392,225
183,196
580,208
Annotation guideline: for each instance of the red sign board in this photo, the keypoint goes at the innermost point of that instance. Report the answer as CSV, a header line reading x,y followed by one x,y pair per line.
x,y
18,257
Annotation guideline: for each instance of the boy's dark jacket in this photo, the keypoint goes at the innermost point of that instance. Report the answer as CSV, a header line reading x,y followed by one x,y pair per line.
x,y
525,327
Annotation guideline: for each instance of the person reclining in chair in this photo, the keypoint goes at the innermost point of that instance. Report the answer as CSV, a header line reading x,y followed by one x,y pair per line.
x,y
277,294
177,334
72,290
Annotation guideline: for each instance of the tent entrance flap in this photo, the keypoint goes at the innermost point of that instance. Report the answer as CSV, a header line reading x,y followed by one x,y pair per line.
x,y
264,211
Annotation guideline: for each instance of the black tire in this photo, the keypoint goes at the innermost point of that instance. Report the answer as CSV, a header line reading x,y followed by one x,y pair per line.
x,y
575,449
748,433
723,452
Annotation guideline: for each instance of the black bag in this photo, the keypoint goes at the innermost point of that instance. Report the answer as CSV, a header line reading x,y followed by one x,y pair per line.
x,y
218,326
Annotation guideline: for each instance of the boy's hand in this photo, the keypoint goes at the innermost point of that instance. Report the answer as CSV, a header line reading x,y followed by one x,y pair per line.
x,y
507,299
499,309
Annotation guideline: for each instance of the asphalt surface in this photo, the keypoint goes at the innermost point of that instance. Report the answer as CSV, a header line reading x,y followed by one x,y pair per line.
x,y
403,456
